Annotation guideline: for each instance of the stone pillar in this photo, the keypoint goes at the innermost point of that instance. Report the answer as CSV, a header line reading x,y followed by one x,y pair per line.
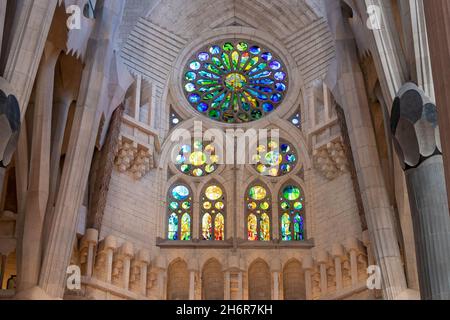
x,y
93,97
276,285
90,242
346,81
191,285
38,187
227,286
161,266
308,265
417,141
352,248
322,260
104,260
437,15
127,252
338,252
144,260
240,286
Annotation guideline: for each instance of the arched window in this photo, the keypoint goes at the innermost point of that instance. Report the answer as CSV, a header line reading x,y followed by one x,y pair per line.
x,y
258,204
213,211
212,281
178,281
294,281
292,219
179,213
259,281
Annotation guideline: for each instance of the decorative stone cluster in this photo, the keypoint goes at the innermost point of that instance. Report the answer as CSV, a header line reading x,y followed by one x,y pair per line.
x,y
414,127
133,157
330,159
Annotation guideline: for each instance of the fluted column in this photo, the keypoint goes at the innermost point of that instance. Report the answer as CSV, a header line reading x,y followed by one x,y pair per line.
x,y
38,187
144,261
322,260
418,144
346,82
90,240
437,16
191,285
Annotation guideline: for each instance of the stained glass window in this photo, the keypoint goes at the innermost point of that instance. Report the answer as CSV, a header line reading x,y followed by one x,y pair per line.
x,y
235,81
275,159
292,213
212,206
258,213
197,160
179,213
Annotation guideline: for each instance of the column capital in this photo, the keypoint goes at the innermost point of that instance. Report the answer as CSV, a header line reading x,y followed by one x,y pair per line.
x,y
414,127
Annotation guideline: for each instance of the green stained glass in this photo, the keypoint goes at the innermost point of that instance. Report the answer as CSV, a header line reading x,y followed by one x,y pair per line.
x,y
257,193
291,193
235,78
264,234
186,227
286,227
173,205
172,233
226,60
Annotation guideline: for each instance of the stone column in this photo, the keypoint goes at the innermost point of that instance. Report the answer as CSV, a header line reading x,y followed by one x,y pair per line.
x,y
38,187
276,285
90,240
2,268
92,99
308,265
353,264
338,252
346,81
437,15
144,261
127,252
161,266
109,245
240,286
191,285
227,287
417,141
322,260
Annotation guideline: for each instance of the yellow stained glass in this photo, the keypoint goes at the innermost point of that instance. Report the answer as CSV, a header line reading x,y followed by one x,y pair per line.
x,y
252,233
219,205
265,228
207,227
219,227
197,158
213,192
207,205
257,193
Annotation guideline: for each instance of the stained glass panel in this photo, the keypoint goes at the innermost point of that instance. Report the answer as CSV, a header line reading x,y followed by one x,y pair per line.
x,y
197,160
173,227
265,228
275,159
292,218
252,227
213,204
186,227
179,210
219,227
229,81
207,227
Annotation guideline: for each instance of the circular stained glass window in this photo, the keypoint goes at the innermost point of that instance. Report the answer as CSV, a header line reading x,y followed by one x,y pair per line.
x,y
197,160
275,159
235,81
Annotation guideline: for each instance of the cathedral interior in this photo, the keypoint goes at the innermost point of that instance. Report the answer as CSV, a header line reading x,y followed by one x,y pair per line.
x,y
224,150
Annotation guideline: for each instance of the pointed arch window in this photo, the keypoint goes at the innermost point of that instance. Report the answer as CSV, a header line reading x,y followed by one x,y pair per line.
x,y
212,204
258,204
292,218
179,213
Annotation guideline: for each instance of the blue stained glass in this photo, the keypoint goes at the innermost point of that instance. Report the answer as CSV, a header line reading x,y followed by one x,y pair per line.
x,y
290,158
172,233
180,192
261,75
280,87
208,75
275,65
266,56
263,81
255,50
280,76
194,98
202,107
276,97
298,227
263,89
203,56
285,148
267,107
186,148
214,50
